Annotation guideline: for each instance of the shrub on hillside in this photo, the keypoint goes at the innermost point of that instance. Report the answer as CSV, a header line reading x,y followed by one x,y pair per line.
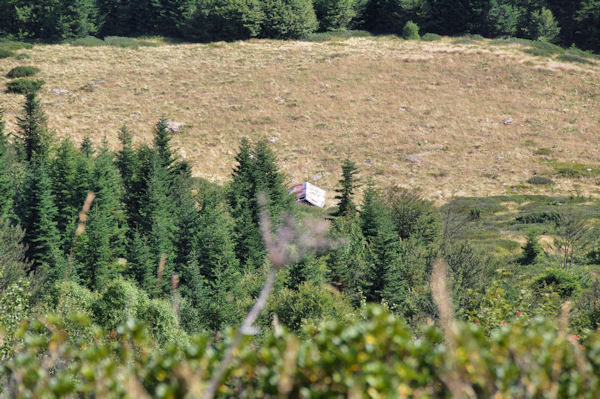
x,y
22,72
288,19
228,20
6,53
544,27
431,37
24,86
334,14
540,180
410,31
120,301
565,283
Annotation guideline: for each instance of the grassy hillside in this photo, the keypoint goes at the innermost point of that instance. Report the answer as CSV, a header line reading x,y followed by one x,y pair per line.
x,y
443,103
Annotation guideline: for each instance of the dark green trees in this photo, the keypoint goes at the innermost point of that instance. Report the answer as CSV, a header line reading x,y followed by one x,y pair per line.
x,y
225,20
345,191
37,213
255,174
288,19
33,133
334,14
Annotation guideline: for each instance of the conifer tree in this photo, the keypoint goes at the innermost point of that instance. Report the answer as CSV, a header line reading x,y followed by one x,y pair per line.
x,y
157,219
65,183
129,166
141,265
348,263
33,133
37,213
87,148
383,277
256,173
187,220
347,185
104,237
7,181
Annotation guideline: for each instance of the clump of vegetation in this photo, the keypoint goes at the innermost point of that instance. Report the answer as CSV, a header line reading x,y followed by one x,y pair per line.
x,y
540,180
574,58
87,41
564,282
334,35
24,86
14,45
22,71
288,19
543,151
543,49
431,37
127,42
531,250
573,169
6,53
410,31
539,217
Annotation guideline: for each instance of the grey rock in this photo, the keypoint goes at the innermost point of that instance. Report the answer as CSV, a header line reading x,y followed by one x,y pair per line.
x,y
174,127
508,121
414,158
272,139
59,92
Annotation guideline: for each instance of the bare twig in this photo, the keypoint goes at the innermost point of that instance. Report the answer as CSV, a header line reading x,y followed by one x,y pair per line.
x,y
452,378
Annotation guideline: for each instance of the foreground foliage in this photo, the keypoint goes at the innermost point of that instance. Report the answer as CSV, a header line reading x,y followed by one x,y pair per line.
x,y
375,356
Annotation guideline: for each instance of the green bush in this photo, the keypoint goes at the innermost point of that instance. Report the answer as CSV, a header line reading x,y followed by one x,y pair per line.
x,y
543,49
6,53
22,72
162,320
334,14
540,180
23,56
127,42
375,354
431,37
14,45
24,86
565,283
228,20
539,217
88,41
410,31
544,27
288,19
121,301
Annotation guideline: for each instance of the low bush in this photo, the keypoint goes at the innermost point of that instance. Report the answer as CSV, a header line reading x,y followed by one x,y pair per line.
x,y
410,31
540,180
574,58
543,49
6,53
565,283
539,217
22,72
543,151
431,37
24,86
334,35
88,41
14,45
127,42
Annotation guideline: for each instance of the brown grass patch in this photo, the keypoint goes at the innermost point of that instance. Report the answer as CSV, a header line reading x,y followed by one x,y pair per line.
x,y
375,100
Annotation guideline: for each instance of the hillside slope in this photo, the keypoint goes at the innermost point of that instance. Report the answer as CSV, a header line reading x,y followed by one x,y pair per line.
x,y
446,104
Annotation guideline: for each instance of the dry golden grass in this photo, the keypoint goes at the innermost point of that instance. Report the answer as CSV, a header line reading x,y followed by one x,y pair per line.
x,y
373,99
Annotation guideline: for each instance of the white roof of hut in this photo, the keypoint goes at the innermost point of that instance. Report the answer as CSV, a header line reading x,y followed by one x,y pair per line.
x,y
306,192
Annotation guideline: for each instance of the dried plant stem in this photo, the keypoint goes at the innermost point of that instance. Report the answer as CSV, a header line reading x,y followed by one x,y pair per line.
x,y
83,216
245,329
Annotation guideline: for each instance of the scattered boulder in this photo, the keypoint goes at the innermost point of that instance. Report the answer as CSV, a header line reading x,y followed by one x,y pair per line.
x,y
59,92
414,158
508,121
174,127
272,139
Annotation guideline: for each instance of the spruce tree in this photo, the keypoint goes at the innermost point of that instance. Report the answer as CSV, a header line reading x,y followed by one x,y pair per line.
x,y
141,264
157,220
256,173
104,237
129,166
37,213
7,179
65,181
531,250
383,275
348,263
33,133
347,185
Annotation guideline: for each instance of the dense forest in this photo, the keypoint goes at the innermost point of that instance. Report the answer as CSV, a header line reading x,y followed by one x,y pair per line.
x,y
565,22
123,265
